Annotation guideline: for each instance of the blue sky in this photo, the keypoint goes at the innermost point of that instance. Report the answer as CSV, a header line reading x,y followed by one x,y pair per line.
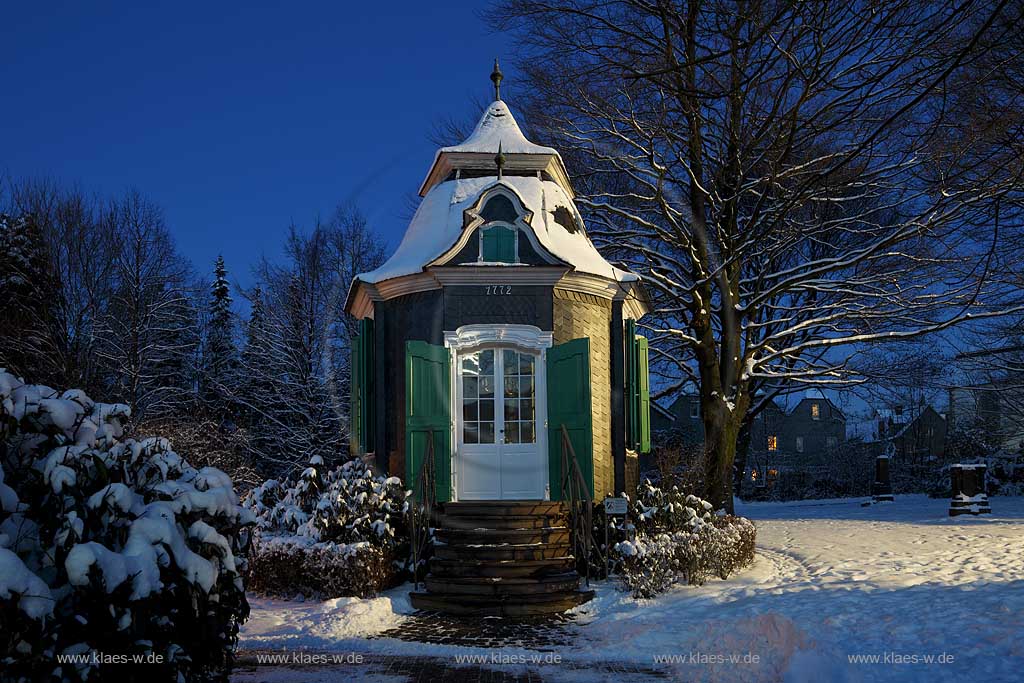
x,y
240,119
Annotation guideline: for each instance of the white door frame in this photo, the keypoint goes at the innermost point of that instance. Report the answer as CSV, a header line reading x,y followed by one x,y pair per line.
x,y
523,337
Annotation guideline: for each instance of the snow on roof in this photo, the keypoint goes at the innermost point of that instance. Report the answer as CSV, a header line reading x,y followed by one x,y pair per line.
x,y
900,417
438,223
498,125
815,394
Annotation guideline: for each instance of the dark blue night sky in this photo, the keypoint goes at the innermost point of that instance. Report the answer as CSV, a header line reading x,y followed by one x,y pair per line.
x,y
240,120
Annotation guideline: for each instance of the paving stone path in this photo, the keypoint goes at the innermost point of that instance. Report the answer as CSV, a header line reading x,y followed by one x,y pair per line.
x,y
415,669
540,635
503,642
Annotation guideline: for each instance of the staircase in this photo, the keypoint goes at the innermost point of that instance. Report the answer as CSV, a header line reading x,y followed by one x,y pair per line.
x,y
501,558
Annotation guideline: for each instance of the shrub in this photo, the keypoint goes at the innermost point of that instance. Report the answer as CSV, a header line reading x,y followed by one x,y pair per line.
x,y
111,547
332,534
677,537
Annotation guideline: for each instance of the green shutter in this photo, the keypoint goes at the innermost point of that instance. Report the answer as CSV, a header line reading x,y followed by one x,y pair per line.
x,y
568,379
355,396
366,385
644,384
632,386
499,245
428,410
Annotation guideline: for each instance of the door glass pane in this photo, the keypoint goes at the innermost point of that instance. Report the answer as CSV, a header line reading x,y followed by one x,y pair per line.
x,y
511,387
526,433
487,410
526,409
511,432
525,364
486,361
478,397
511,410
486,432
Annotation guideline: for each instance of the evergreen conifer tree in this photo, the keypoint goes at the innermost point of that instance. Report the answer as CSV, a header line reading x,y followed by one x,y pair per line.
x,y
220,363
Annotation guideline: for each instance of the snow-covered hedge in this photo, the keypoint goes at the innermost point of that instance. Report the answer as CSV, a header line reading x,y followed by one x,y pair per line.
x,y
675,537
110,548
327,533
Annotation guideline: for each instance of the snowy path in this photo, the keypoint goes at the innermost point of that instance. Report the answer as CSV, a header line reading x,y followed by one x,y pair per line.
x,y
832,580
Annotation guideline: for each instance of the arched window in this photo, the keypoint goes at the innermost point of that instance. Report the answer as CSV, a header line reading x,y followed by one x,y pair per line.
x,y
499,208
498,244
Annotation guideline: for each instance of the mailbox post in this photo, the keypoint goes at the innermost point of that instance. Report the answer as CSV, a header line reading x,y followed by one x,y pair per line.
x,y
614,506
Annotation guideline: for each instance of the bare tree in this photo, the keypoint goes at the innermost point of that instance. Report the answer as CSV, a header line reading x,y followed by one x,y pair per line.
x,y
776,172
297,353
148,330
82,249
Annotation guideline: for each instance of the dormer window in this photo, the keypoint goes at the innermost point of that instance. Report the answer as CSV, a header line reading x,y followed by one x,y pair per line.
x,y
498,243
499,208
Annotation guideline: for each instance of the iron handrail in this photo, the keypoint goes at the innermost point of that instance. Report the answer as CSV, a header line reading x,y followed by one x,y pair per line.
x,y
576,494
424,498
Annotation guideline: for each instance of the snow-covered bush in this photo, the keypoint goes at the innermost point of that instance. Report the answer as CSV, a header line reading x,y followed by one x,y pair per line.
x,y
676,537
327,533
110,548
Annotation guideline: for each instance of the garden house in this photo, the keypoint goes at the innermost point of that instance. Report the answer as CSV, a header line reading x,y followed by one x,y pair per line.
x,y
494,328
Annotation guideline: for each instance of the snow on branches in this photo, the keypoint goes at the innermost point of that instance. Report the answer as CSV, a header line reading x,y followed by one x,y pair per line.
x,y
674,536
330,533
110,546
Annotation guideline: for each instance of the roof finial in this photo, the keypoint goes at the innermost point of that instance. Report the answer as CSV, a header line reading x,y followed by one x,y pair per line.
x,y
496,77
499,159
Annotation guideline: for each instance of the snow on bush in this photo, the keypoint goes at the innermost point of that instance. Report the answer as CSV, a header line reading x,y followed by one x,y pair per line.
x,y
328,533
676,537
110,548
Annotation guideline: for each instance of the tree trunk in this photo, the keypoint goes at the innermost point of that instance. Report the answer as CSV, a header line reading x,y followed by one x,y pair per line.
x,y
742,455
721,430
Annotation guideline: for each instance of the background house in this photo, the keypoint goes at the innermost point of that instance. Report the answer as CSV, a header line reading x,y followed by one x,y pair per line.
x,y
917,435
993,406
801,439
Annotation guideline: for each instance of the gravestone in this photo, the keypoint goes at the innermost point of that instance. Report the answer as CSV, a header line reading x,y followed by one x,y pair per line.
x,y
881,489
970,497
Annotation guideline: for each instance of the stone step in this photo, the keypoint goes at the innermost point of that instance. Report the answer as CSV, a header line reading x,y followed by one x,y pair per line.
x,y
497,587
501,568
510,606
484,553
501,508
478,536
539,521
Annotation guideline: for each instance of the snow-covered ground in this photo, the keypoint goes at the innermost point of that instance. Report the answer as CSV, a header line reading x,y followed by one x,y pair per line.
x,y
832,582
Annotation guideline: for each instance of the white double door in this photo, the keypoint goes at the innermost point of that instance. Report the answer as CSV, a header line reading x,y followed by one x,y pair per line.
x,y
499,439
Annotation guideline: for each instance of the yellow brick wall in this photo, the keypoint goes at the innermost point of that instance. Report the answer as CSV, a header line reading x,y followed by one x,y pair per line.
x,y
579,315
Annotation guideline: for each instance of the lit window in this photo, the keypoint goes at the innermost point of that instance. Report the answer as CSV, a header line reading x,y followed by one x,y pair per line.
x,y
753,475
773,474
773,443
799,444
815,411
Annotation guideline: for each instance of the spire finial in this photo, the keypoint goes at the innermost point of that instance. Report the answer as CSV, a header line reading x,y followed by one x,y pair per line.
x,y
499,159
496,77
